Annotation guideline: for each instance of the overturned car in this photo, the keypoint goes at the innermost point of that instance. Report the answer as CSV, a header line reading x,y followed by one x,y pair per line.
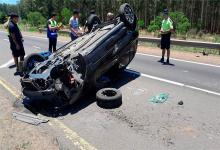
x,y
77,66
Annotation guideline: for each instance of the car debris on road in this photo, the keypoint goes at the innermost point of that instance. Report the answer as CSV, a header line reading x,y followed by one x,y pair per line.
x,y
160,98
29,118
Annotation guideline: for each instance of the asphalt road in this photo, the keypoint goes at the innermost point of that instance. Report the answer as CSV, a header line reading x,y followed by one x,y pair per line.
x,y
138,123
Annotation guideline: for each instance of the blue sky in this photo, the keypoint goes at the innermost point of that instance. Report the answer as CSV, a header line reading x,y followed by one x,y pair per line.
x,y
9,1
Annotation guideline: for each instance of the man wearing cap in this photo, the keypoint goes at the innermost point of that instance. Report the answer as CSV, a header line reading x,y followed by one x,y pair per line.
x,y
166,29
52,29
74,26
16,41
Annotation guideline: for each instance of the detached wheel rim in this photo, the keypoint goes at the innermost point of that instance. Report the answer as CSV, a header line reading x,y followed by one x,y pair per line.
x,y
129,15
109,93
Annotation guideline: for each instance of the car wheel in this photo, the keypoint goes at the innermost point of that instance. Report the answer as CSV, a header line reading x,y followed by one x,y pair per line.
x,y
127,58
31,60
92,21
109,98
128,16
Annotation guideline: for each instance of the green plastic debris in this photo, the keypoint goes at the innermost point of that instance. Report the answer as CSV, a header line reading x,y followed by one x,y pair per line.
x,y
160,98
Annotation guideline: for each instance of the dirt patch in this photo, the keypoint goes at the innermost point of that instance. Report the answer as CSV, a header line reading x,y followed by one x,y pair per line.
x,y
197,57
17,135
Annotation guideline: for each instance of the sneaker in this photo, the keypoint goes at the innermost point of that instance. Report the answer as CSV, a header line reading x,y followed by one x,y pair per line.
x,y
168,61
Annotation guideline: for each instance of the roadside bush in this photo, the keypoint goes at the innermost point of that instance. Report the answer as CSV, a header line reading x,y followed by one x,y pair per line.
x,y
65,16
23,21
141,24
180,21
35,19
2,17
155,24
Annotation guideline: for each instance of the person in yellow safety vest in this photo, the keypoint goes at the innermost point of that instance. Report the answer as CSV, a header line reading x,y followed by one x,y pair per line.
x,y
52,29
166,29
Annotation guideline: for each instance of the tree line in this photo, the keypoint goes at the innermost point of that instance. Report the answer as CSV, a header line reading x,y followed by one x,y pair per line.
x,y
203,15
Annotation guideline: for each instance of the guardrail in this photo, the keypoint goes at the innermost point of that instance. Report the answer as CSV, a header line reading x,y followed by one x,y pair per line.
x,y
61,31
197,44
186,43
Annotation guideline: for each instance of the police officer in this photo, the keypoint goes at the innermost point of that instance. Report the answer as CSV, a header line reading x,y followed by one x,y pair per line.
x,y
16,41
52,29
166,29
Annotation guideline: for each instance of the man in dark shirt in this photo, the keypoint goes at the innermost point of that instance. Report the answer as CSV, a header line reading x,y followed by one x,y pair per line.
x,y
16,41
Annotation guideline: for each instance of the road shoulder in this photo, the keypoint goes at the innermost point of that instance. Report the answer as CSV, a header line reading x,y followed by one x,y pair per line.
x,y
19,135
188,56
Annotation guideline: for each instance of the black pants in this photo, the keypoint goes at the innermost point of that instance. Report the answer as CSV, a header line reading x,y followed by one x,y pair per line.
x,y
52,44
165,41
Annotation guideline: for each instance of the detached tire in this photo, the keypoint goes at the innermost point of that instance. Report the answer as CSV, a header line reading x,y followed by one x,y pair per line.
x,y
128,16
109,98
30,60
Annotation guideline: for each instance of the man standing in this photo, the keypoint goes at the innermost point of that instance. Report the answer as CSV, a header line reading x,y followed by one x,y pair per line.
x,y
74,26
16,41
52,29
166,29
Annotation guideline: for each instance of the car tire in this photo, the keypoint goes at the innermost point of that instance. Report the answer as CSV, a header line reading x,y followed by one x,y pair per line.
x,y
93,20
109,98
128,16
30,60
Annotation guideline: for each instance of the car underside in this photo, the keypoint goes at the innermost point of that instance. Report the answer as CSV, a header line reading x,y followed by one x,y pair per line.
x,y
77,65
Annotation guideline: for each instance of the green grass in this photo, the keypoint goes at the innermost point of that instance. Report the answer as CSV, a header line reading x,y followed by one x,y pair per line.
x,y
217,39
33,29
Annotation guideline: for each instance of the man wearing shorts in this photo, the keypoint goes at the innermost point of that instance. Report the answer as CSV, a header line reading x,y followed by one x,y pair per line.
x,y
16,41
166,29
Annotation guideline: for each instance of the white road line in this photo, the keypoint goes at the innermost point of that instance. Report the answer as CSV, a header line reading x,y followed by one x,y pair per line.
x,y
7,63
172,82
187,61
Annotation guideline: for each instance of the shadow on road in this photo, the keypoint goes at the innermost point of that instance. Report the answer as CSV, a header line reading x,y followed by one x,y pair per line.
x,y
56,109
168,64
12,66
